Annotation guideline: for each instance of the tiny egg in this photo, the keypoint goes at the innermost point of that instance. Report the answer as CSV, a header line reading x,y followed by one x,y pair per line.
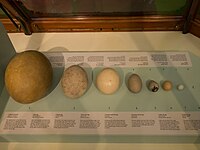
x,y
167,85
108,81
180,87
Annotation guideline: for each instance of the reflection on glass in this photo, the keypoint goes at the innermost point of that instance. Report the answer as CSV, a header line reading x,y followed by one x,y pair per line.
x,y
48,8
198,13
2,15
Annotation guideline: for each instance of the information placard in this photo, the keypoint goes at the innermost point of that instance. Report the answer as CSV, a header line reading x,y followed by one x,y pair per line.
x,y
101,123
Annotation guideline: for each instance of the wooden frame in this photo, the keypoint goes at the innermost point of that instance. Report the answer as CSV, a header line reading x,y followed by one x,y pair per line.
x,y
113,24
195,23
9,25
195,27
16,12
98,24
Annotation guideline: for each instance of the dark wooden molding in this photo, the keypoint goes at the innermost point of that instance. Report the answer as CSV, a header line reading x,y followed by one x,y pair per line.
x,y
98,24
195,27
186,22
101,24
190,15
10,28
16,12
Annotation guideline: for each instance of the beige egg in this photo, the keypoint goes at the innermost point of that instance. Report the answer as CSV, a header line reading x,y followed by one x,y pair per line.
x,y
167,85
28,76
108,81
135,83
74,82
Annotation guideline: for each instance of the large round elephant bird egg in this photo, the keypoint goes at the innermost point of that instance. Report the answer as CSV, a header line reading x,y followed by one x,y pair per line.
x,y
108,81
28,76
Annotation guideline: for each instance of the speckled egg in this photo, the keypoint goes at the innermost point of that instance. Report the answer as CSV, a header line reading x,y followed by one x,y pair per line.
x,y
153,86
135,83
74,82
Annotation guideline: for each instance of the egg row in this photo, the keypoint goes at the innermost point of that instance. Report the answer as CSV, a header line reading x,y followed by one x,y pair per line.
x,y
29,76
75,82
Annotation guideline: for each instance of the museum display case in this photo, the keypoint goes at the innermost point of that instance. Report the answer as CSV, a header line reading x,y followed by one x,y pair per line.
x,y
121,73
97,16
195,24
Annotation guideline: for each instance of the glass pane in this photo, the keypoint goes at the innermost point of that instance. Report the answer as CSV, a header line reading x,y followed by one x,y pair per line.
x,y
2,15
198,13
60,8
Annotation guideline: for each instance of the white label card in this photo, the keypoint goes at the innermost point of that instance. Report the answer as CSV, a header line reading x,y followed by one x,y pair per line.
x,y
101,123
121,59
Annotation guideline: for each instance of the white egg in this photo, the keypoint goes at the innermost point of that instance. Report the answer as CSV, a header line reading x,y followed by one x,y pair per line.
x,y
180,87
108,81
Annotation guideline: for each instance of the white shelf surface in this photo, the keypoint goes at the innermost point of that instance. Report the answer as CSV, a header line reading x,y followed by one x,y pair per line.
x,y
104,41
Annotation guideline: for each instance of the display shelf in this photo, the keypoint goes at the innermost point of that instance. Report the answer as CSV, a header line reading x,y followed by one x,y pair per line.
x,y
179,74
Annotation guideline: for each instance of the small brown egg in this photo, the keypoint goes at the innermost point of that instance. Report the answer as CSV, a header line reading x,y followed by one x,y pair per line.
x,y
108,81
135,83
167,85
74,82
